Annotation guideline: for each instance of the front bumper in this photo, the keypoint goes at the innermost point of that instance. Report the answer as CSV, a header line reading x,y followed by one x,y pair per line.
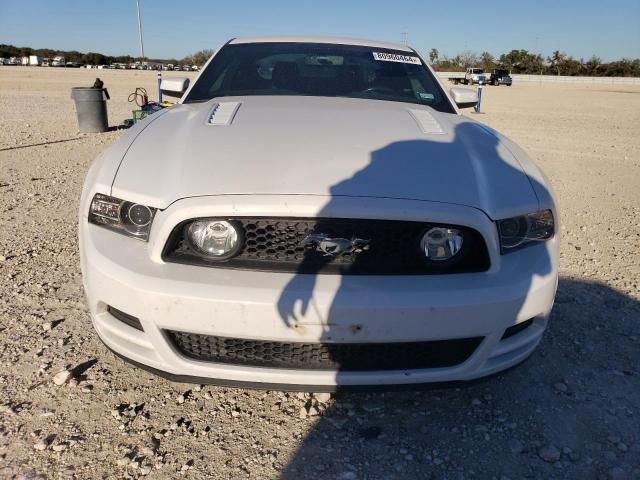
x,y
130,276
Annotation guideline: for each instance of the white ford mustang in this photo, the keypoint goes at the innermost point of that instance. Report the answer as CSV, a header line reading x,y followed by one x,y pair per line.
x,y
316,214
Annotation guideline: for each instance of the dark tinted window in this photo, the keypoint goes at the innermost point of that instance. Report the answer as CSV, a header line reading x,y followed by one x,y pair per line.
x,y
323,70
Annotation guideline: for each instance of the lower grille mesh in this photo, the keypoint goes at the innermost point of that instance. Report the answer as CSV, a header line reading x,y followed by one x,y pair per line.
x,y
325,356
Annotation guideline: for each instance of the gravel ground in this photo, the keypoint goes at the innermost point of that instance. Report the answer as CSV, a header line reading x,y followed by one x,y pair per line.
x,y
69,408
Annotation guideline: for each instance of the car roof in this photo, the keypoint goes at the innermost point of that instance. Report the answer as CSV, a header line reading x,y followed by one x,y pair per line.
x,y
318,39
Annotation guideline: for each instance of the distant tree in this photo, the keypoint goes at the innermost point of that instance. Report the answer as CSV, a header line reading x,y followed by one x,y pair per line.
x,y
487,61
433,55
198,58
521,61
446,64
592,66
469,59
557,61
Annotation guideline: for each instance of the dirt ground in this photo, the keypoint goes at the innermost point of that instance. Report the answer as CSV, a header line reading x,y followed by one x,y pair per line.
x,y
571,411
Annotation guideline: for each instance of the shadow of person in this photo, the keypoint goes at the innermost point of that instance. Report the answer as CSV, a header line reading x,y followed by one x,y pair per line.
x,y
469,169
496,428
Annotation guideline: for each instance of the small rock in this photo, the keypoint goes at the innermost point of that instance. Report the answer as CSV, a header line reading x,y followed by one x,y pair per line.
x,y
8,409
302,413
312,412
323,397
62,377
561,387
41,445
549,453
617,473
47,326
347,476
61,447
180,398
146,470
516,446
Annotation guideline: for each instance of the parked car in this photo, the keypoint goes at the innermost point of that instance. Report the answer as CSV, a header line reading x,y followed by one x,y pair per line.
x,y
474,76
500,77
58,61
186,68
177,68
323,217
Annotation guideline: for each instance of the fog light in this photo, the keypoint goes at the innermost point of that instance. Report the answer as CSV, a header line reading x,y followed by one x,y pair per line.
x,y
440,243
214,238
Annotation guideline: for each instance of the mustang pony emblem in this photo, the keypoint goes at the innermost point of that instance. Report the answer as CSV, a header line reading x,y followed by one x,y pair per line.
x,y
334,246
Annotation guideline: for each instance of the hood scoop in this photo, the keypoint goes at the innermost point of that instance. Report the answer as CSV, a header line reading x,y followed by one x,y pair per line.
x,y
223,113
426,122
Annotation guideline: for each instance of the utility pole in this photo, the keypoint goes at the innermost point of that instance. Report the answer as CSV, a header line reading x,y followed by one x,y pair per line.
x,y
404,38
140,31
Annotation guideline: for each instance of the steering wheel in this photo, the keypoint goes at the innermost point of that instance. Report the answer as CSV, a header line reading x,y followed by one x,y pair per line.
x,y
387,90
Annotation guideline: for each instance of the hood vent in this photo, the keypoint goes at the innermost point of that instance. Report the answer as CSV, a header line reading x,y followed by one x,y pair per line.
x,y
223,113
426,122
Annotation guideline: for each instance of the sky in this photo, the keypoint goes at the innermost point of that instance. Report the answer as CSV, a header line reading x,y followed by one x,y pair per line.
x,y
174,29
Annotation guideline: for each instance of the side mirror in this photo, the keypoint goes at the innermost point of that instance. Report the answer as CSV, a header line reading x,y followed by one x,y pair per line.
x,y
174,86
464,97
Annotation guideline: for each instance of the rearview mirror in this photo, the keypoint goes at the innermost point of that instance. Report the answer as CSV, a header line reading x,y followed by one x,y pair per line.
x,y
174,86
464,97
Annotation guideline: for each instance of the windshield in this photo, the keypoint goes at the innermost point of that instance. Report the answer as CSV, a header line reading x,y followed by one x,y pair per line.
x,y
322,70
476,70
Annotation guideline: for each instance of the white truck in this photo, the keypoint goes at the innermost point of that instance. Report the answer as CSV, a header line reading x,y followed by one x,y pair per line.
x,y
474,75
471,76
58,62
35,61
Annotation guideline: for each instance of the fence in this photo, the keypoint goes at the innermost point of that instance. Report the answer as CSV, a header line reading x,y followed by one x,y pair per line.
x,y
560,79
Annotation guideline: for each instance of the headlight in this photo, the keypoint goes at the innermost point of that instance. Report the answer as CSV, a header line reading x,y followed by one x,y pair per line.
x,y
441,243
517,232
216,239
128,218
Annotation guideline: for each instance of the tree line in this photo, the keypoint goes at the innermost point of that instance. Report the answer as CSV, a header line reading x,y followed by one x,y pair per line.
x,y
516,61
89,58
523,61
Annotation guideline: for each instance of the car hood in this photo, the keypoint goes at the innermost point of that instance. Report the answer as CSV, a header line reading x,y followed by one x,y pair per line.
x,y
321,146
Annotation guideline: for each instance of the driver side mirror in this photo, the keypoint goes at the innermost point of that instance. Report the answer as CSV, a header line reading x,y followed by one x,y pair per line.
x,y
174,86
464,97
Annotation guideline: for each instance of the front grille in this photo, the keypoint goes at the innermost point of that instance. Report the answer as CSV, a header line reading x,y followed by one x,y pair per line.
x,y
324,356
378,247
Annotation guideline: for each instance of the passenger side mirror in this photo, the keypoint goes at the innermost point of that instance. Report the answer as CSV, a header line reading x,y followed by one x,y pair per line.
x,y
464,97
174,86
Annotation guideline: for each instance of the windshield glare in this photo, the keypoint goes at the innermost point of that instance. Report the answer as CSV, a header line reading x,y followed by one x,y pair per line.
x,y
323,70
